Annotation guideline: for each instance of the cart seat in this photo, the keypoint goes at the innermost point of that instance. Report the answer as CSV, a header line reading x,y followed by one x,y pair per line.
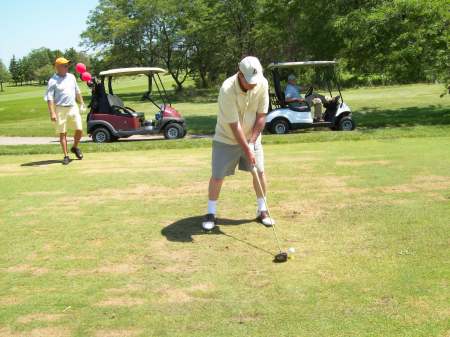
x,y
115,101
118,106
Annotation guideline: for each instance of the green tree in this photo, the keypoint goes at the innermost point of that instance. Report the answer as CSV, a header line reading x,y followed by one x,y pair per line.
x,y
15,70
405,40
43,73
5,76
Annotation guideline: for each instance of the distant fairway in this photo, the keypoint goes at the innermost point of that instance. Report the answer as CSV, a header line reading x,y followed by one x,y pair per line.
x,y
23,111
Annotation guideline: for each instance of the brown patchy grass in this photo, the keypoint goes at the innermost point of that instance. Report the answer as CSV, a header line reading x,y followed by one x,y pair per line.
x,y
356,163
38,332
420,184
25,268
10,300
121,301
117,333
40,317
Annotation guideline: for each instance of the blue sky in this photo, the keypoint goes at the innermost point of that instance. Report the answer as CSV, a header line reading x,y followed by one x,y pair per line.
x,y
30,24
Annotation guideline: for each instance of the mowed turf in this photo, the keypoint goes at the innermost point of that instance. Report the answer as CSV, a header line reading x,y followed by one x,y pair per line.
x,y
23,112
111,246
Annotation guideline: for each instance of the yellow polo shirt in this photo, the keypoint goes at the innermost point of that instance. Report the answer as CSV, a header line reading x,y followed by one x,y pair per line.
x,y
236,105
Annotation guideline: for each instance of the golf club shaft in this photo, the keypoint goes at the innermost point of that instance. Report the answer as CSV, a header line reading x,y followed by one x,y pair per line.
x,y
256,175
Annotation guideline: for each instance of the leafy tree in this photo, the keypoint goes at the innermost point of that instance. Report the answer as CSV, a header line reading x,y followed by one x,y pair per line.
x,y
5,76
402,39
43,73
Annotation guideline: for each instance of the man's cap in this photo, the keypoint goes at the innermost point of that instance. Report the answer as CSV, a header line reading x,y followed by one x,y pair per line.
x,y
61,60
252,70
292,77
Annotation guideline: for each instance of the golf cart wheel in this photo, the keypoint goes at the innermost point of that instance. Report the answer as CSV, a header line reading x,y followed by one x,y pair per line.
x,y
279,126
346,124
101,135
173,131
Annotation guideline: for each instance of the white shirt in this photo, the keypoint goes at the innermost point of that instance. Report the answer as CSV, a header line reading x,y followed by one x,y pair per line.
x,y
62,90
236,105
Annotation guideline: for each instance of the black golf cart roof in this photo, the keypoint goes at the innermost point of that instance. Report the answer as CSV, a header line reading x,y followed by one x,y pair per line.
x,y
132,71
297,64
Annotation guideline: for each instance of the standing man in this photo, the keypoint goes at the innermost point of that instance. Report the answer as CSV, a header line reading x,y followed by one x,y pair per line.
x,y
62,96
243,105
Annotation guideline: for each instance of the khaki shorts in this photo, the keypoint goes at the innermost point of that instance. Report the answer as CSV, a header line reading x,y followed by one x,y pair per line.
x,y
68,115
226,157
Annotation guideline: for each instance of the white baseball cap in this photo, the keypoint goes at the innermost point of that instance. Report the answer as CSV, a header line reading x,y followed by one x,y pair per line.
x,y
252,70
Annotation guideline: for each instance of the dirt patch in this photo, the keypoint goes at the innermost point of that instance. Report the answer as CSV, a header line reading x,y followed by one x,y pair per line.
x,y
24,268
38,332
41,317
117,333
42,193
122,301
171,260
139,192
67,207
362,162
202,287
127,289
174,295
420,184
246,318
121,269
10,300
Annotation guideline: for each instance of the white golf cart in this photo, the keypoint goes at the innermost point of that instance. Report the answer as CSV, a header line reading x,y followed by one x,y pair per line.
x,y
283,117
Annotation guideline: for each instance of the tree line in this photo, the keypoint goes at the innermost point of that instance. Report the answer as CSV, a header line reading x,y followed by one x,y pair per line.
x,y
376,41
37,65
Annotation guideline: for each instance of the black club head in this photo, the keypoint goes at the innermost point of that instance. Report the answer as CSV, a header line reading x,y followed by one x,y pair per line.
x,y
280,258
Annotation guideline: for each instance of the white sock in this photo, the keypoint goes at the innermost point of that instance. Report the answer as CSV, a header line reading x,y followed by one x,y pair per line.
x,y
261,204
212,206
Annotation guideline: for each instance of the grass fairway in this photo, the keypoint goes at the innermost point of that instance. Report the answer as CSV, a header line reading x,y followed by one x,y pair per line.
x,y
23,111
110,246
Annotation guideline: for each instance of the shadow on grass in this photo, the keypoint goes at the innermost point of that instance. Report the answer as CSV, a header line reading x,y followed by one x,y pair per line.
x,y
201,124
190,95
369,117
42,163
183,230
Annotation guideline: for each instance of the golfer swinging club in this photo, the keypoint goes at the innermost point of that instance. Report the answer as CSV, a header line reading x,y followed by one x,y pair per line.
x,y
243,104
61,96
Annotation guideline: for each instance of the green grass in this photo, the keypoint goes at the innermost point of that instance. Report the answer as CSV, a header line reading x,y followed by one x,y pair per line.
x,y
111,246
23,111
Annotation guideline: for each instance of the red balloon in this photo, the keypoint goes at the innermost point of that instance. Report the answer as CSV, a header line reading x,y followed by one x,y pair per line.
x,y
86,76
80,68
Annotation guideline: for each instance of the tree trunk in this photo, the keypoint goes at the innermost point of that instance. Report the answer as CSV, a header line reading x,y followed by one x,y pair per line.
x,y
1,86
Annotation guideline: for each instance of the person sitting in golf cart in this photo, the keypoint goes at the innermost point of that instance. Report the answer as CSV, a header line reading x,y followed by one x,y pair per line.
x,y
295,100
292,94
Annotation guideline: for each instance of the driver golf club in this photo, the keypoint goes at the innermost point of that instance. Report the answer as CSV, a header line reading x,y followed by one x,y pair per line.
x,y
281,256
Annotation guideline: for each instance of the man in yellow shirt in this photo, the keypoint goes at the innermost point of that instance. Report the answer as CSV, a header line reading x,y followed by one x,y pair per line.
x,y
243,105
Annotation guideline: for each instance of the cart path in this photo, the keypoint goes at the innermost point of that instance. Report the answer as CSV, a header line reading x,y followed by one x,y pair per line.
x,y
55,140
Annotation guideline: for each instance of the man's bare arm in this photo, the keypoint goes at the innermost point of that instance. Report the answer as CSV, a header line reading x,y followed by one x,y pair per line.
x,y
79,98
258,127
51,110
240,138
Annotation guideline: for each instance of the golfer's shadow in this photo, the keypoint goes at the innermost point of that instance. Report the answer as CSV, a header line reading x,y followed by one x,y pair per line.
x,y
41,163
183,230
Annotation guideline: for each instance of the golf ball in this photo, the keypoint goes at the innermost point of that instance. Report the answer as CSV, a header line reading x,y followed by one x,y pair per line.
x,y
291,250
208,225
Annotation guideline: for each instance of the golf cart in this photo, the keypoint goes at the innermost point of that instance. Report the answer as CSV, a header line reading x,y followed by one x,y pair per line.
x,y
109,119
282,117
